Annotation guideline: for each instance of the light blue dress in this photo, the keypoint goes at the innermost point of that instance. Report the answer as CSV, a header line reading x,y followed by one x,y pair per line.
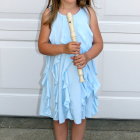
x,y
63,95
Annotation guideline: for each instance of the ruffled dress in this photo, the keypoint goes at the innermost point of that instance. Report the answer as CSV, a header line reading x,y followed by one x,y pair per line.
x,y
63,95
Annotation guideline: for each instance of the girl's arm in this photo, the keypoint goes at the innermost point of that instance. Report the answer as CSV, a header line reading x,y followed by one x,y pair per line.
x,y
43,41
98,41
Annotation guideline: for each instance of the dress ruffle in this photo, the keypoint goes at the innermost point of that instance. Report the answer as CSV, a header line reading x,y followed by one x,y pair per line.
x,y
89,87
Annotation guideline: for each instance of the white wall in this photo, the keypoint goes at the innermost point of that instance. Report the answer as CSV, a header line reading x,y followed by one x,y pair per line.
x,y
21,64
119,62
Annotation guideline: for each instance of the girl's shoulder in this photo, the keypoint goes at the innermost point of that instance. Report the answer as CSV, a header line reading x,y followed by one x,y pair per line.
x,y
47,10
89,12
89,8
50,7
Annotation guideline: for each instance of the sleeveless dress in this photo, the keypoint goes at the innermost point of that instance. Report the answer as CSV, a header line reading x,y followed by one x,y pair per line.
x,y
63,95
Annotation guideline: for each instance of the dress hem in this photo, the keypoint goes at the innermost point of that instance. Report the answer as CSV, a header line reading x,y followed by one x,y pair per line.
x,y
71,119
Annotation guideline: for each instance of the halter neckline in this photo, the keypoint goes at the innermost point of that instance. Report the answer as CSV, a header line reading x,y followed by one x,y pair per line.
x,y
72,14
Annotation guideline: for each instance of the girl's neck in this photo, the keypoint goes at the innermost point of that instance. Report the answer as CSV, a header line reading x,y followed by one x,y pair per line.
x,y
68,6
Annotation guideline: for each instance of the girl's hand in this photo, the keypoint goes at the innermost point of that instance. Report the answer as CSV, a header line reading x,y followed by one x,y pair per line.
x,y
72,48
81,60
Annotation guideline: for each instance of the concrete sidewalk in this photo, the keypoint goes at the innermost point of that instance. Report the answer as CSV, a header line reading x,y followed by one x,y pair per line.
x,y
35,128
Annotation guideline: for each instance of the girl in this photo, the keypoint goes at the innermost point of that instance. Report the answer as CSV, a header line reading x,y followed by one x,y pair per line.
x,y
64,97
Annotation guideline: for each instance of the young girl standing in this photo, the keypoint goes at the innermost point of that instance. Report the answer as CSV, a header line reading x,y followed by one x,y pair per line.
x,y
63,95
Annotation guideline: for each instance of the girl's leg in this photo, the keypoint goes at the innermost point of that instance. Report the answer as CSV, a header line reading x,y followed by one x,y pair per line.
x,y
78,130
60,130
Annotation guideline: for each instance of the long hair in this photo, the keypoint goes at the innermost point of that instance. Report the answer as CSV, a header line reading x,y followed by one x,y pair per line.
x,y
55,7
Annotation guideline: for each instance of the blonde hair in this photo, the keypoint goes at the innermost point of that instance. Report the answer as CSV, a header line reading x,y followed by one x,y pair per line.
x,y
55,4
